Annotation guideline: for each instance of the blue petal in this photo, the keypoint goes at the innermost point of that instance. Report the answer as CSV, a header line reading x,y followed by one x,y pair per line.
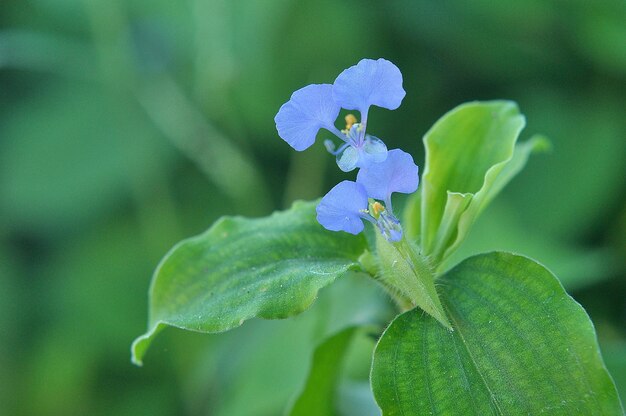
x,y
373,151
309,109
398,173
368,83
348,160
340,208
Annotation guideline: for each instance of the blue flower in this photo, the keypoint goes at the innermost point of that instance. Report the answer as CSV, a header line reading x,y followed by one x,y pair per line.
x,y
343,208
358,151
349,203
370,82
308,110
315,107
397,173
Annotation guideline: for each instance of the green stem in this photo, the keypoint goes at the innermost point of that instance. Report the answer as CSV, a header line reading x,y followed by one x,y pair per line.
x,y
421,269
408,277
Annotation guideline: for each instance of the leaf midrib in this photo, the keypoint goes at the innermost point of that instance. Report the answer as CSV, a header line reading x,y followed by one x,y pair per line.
x,y
457,327
557,328
342,266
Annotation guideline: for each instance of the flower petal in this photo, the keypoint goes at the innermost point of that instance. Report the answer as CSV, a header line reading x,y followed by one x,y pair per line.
x,y
309,109
374,151
398,173
348,160
368,83
340,208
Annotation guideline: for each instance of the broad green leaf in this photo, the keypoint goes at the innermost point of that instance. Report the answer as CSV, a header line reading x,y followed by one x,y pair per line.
x,y
338,383
460,148
355,393
242,268
318,396
495,181
281,348
408,277
520,345
470,156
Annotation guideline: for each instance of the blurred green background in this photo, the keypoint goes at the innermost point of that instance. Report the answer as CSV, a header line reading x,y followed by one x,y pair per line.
x,y
126,126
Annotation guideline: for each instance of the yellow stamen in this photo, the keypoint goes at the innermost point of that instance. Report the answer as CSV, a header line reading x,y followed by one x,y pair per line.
x,y
350,120
377,208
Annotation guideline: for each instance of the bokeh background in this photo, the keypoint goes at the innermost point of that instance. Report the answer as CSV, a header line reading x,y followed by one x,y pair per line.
x,y
126,126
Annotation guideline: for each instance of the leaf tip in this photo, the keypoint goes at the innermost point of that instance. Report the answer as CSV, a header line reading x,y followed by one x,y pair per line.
x,y
137,351
443,320
141,344
540,144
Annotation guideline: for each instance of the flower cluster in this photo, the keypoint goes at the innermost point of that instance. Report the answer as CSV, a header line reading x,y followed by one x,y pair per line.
x,y
381,171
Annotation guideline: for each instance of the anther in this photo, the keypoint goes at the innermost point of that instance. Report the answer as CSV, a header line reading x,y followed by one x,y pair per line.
x,y
377,208
350,120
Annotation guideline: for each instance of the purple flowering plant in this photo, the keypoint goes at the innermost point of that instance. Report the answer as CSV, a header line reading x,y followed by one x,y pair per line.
x,y
495,333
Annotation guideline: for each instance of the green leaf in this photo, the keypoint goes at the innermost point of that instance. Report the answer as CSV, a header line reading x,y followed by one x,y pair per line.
x,y
495,181
408,277
242,268
355,393
470,156
520,345
338,383
318,396
283,348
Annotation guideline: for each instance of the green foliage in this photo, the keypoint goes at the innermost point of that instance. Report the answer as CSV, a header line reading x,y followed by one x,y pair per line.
x,y
318,395
470,156
501,322
520,345
242,359
94,189
240,268
409,277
